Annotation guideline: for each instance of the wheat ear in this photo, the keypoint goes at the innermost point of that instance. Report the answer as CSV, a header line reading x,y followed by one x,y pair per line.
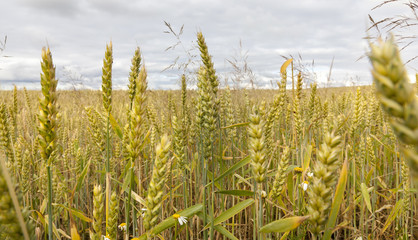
x,y
324,180
48,123
156,185
396,96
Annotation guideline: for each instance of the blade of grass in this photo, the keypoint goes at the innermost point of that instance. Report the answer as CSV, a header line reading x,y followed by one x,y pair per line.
x,y
234,168
241,193
171,222
366,196
338,198
231,212
80,179
393,214
284,225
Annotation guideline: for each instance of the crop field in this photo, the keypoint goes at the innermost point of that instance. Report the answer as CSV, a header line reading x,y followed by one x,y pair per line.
x,y
210,162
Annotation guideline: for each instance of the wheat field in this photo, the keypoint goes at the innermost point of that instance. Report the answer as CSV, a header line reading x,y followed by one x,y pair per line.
x,y
211,162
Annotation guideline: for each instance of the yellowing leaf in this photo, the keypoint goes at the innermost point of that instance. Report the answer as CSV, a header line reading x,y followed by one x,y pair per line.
x,y
74,233
285,65
307,158
366,196
284,225
338,198
75,212
236,125
284,237
393,214
115,126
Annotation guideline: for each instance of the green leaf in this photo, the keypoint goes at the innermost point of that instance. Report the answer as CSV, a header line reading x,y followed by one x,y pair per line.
x,y
366,196
75,212
307,158
241,193
171,222
225,232
127,180
54,228
231,212
115,126
80,179
236,125
234,168
369,176
210,176
385,145
336,203
393,214
219,228
284,225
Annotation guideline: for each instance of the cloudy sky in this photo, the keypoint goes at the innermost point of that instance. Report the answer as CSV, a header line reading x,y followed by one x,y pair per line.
x,y
77,31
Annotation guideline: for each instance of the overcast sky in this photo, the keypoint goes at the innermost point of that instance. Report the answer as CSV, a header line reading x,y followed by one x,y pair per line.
x,y
77,32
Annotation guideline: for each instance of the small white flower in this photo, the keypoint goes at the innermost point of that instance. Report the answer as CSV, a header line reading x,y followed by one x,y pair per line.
x,y
105,237
182,220
143,212
122,227
310,174
304,185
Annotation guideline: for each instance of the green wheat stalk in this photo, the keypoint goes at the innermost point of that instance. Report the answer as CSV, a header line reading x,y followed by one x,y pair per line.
x,y
48,123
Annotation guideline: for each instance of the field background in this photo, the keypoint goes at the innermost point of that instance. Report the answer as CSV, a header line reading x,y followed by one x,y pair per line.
x,y
296,163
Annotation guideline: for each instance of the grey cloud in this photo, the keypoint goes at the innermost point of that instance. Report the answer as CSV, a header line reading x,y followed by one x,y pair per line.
x,y
52,7
77,32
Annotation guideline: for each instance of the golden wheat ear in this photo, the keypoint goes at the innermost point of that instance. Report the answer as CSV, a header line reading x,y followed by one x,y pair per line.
x,y
397,95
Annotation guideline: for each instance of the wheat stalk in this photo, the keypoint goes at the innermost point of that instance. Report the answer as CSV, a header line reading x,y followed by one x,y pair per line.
x,y
48,123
